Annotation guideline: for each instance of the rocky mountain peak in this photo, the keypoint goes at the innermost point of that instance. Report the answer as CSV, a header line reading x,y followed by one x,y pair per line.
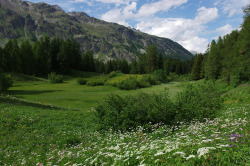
x,y
22,19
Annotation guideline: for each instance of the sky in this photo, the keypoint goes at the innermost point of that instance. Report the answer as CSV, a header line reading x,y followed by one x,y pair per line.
x,y
191,23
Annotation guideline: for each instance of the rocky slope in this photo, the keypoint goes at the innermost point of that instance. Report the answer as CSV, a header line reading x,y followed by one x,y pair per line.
x,y
22,19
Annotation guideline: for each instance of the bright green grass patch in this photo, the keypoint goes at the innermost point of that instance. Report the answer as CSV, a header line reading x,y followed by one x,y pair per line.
x,y
71,95
121,77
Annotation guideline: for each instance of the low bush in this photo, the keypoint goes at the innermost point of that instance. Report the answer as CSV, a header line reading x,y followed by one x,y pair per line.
x,y
114,74
133,111
160,76
198,102
151,79
54,78
96,82
5,82
81,81
132,83
195,102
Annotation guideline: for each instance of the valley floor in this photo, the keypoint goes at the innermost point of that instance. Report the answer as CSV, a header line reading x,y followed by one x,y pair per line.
x,y
34,132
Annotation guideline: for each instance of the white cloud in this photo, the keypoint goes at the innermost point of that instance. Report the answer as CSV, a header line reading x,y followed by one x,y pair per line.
x,y
206,15
120,15
71,9
116,2
184,31
232,7
226,29
162,5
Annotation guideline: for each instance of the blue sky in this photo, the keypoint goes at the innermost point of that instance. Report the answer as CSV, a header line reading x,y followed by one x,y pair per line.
x,y
191,23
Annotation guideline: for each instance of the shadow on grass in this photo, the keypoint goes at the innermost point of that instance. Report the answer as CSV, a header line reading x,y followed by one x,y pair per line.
x,y
30,92
16,101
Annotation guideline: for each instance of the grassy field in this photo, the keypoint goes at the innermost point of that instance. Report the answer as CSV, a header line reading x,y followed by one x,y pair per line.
x,y
71,95
39,127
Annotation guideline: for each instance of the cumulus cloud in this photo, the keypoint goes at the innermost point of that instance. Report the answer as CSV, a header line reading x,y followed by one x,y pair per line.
x,y
120,15
226,29
116,2
184,31
206,15
232,7
162,5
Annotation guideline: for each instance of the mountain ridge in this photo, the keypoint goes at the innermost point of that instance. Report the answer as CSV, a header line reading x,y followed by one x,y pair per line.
x,y
26,20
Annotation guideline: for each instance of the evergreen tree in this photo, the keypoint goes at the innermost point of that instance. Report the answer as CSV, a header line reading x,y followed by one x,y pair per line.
x,y
197,67
1,59
54,51
11,57
63,57
213,63
27,57
151,59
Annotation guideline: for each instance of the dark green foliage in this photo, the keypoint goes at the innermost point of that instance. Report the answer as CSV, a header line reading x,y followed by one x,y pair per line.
x,y
160,75
151,79
133,111
124,113
198,102
5,81
196,72
229,57
114,74
54,78
97,82
132,83
81,81
27,57
11,61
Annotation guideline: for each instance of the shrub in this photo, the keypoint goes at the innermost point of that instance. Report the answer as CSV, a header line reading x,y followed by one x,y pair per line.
x,y
195,102
132,83
160,76
114,73
198,102
151,79
133,111
96,82
54,78
81,81
5,82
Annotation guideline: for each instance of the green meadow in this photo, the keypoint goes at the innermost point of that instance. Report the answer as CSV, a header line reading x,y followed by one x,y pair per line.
x,y
55,124
71,95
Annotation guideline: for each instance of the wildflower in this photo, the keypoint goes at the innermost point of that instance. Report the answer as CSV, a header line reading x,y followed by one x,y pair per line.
x,y
181,153
190,156
203,151
159,153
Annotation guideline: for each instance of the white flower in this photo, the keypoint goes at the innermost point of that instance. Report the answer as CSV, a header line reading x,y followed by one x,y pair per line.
x,y
190,156
159,153
203,151
181,153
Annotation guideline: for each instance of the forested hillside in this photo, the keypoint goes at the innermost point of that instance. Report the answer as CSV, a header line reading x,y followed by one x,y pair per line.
x,y
228,57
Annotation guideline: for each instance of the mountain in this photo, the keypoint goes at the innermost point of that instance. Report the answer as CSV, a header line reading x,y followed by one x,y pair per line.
x,y
21,20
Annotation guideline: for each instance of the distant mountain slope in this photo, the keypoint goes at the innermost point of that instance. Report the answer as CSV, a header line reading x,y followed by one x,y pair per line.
x,y
22,19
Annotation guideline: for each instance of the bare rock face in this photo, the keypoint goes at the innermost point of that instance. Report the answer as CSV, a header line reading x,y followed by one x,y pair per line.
x,y
23,19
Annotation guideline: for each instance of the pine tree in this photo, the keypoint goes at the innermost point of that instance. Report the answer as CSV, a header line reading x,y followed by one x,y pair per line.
x,y
27,57
213,63
151,59
197,67
12,59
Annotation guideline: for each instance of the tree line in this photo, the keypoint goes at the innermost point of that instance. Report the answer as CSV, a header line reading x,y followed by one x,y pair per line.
x,y
57,55
228,57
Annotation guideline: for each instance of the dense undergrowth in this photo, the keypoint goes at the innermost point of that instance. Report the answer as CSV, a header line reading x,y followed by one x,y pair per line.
x,y
195,102
36,134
